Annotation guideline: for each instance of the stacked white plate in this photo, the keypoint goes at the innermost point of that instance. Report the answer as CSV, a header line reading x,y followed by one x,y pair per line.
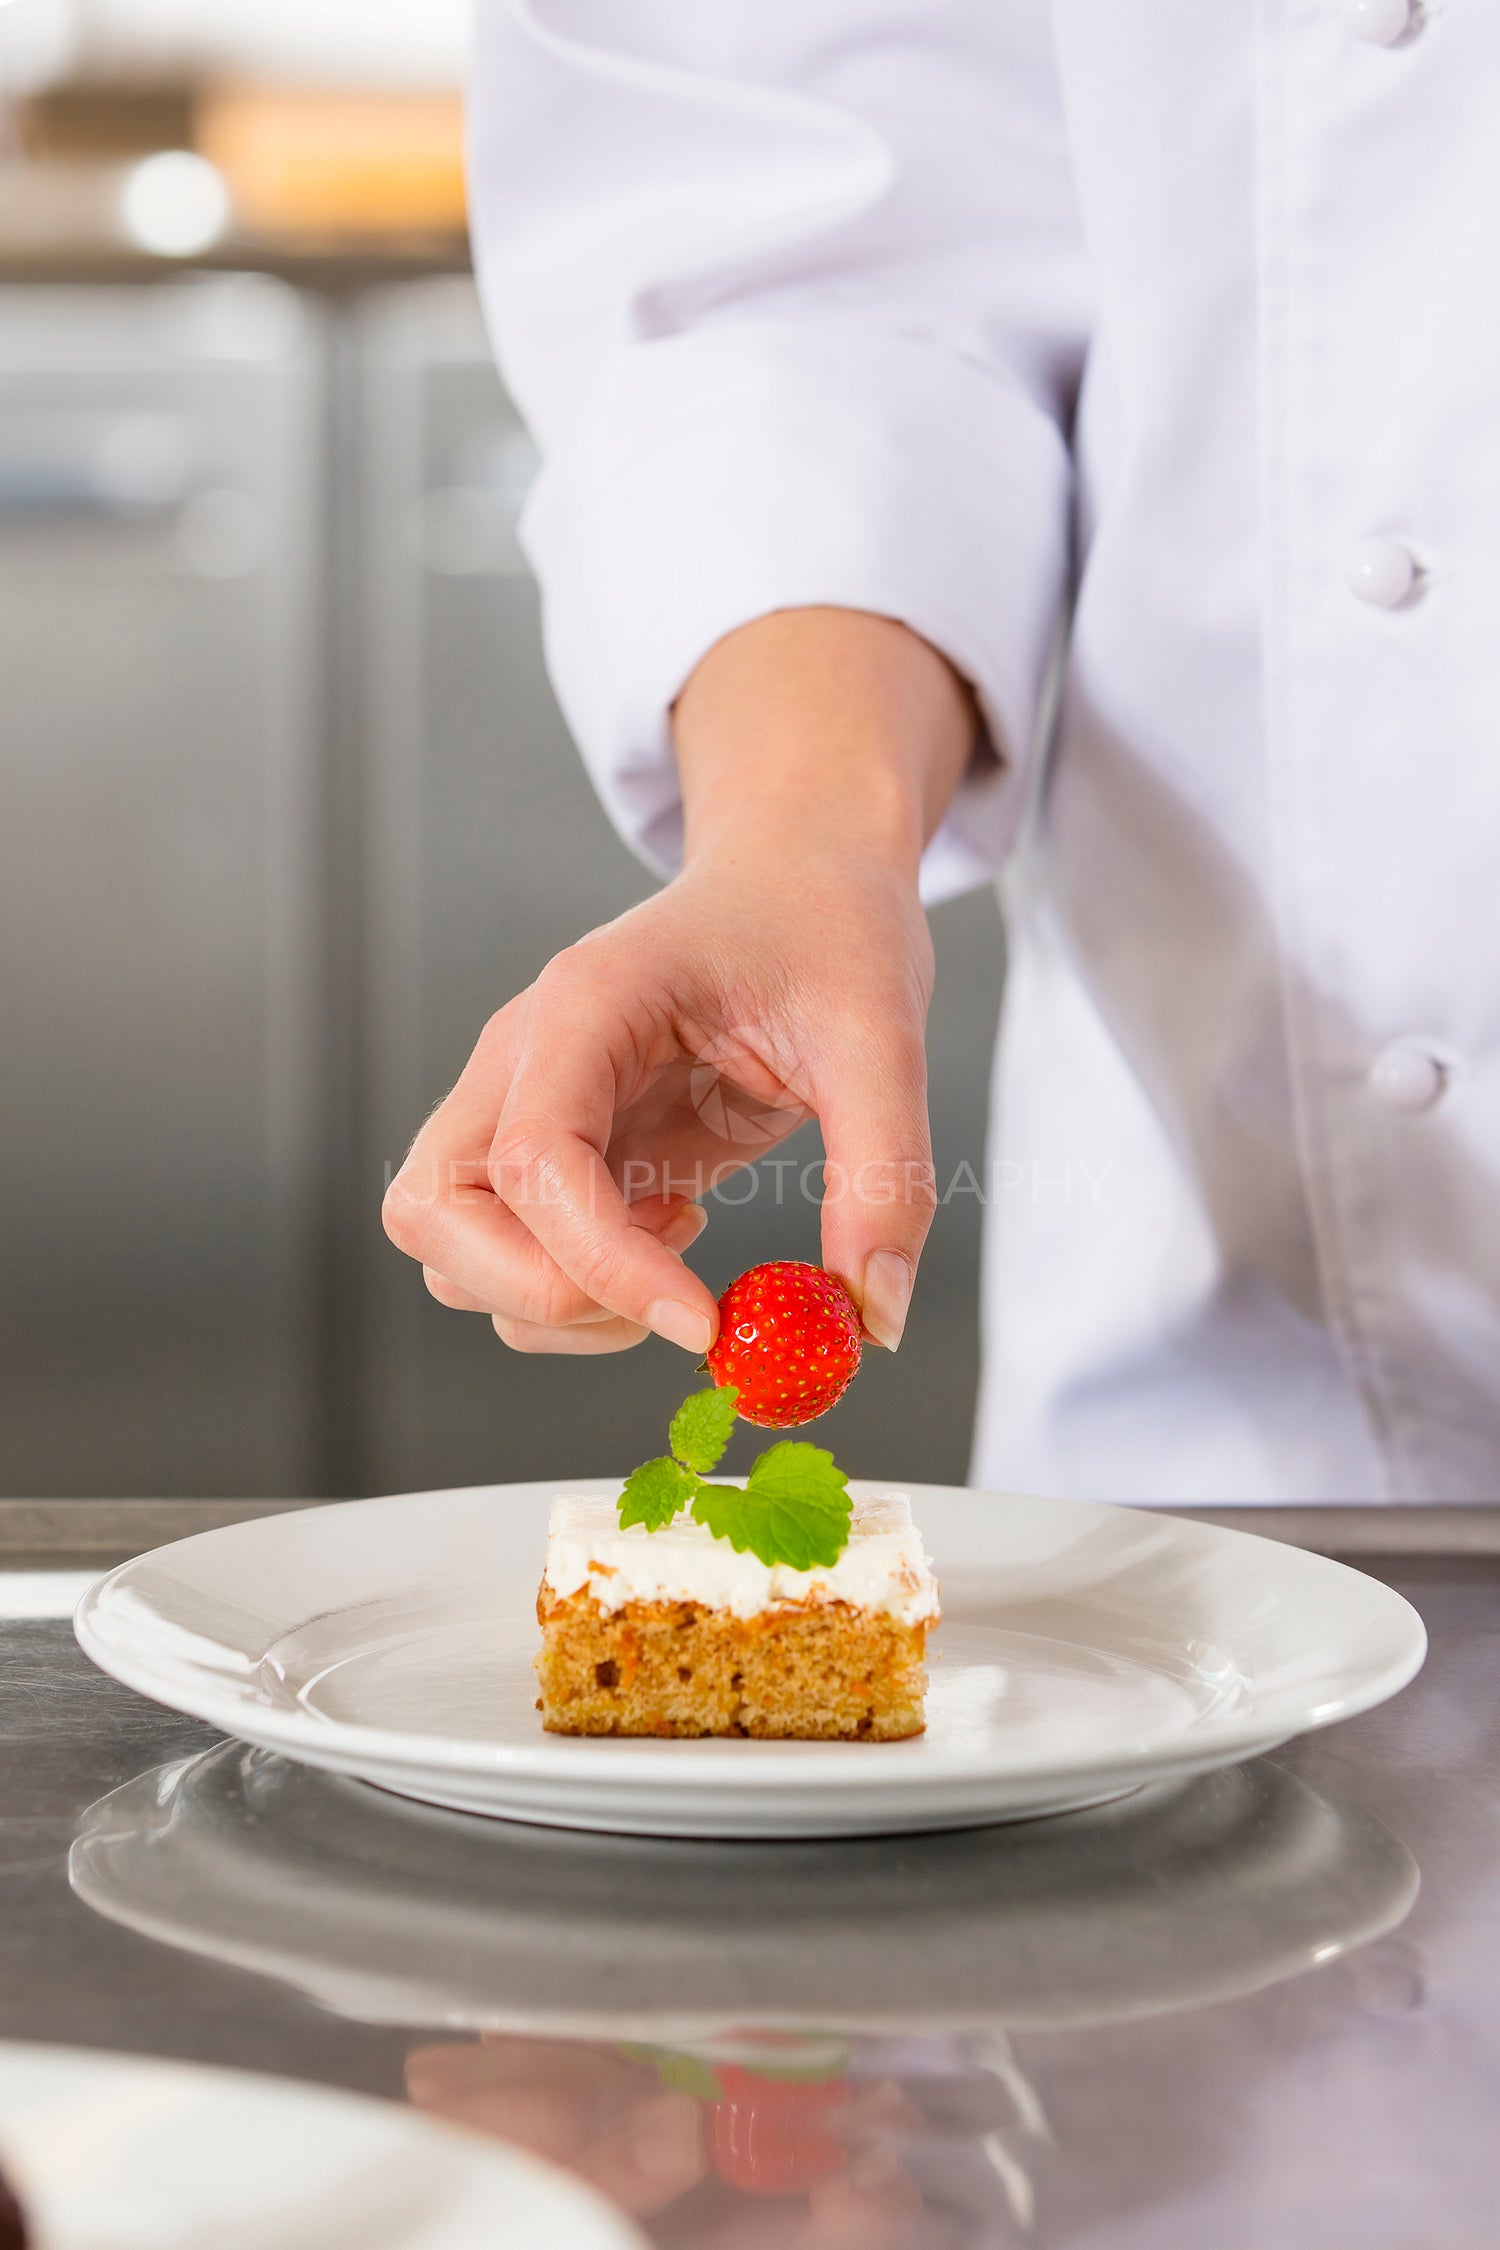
x,y
108,2152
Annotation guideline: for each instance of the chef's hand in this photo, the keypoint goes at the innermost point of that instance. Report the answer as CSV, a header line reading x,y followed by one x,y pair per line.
x,y
785,973
588,2108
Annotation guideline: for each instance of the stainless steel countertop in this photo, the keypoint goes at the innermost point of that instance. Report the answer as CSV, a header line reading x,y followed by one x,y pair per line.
x,y
1258,2013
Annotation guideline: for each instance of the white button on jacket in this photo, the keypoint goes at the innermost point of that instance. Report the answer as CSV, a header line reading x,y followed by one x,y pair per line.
x,y
1382,572
1406,1076
904,303
1379,22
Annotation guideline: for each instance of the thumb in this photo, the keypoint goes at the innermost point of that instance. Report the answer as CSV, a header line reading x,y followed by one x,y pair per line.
x,y
878,1189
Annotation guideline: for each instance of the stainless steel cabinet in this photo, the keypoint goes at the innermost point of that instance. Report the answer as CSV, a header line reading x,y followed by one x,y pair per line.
x,y
159,834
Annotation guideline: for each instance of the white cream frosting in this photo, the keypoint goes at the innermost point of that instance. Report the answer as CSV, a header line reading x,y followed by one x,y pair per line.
x,y
884,1567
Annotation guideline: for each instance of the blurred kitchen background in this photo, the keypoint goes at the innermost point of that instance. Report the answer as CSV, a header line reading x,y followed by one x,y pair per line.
x,y
287,806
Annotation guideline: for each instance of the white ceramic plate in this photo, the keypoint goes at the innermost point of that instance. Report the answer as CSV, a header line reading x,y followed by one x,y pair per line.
x,y
1084,1651
109,2152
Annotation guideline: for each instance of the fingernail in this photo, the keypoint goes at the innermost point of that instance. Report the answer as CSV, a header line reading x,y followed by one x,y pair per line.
x,y
664,2137
885,1297
680,1324
684,1227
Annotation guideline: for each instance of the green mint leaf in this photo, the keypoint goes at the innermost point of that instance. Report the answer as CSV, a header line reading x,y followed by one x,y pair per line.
x,y
795,1508
655,1492
679,2073
701,1426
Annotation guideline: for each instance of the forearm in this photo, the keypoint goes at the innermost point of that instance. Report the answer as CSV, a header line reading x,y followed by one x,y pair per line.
x,y
815,727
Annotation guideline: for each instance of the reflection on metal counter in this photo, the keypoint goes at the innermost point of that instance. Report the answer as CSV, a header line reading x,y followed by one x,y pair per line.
x,y
820,2037
392,1913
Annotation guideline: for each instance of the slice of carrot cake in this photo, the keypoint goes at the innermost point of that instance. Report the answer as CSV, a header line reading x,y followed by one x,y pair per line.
x,y
675,1632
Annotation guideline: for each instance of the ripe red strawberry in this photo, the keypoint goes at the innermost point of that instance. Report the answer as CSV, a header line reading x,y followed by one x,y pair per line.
x,y
789,1340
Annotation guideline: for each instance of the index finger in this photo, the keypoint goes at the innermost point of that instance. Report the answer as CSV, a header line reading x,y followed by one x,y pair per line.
x,y
878,1196
547,1165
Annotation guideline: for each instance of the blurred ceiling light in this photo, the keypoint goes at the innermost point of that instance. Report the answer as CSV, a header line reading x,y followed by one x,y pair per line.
x,y
174,204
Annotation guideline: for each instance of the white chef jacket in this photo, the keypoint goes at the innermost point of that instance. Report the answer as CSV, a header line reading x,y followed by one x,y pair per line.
x,y
926,307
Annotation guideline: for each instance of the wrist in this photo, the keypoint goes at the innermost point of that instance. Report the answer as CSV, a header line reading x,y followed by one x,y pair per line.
x,y
791,815
816,732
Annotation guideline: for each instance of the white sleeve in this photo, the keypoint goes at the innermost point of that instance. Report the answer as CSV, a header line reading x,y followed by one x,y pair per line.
x,y
792,295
